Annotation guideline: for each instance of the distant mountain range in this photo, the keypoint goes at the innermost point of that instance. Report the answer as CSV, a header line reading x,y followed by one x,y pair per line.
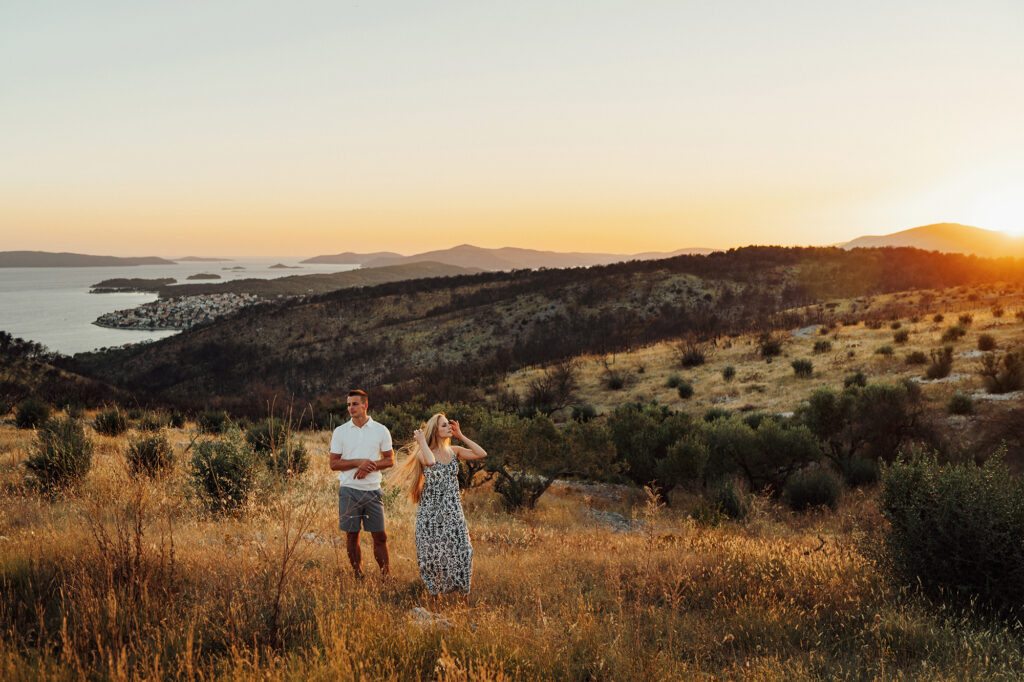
x,y
508,258
948,238
44,259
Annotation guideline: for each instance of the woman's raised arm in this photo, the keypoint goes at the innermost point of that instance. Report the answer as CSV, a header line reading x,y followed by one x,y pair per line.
x,y
472,450
423,452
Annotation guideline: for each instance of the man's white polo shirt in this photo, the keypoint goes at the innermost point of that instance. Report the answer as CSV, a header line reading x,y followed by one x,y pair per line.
x,y
360,442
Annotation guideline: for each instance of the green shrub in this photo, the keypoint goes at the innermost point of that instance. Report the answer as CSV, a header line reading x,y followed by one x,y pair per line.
x,y
997,310
770,346
858,472
966,319
74,410
916,357
957,531
803,368
223,471
901,336
212,421
176,420
986,342
152,421
673,380
810,489
584,412
895,325
729,499
62,454
1002,374
938,317
856,379
714,413
885,350
941,364
685,390
31,413
960,403
289,458
822,346
267,435
953,333
728,372
111,422
614,381
150,454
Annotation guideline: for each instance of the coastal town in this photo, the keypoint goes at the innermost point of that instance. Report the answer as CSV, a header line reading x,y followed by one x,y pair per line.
x,y
183,312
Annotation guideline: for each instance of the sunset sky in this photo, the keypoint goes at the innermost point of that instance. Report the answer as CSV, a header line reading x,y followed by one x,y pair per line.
x,y
302,128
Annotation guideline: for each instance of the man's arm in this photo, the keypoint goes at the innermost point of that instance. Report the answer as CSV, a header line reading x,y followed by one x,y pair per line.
x,y
339,464
386,461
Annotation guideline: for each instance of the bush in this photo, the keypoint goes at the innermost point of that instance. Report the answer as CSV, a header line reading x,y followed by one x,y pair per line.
x,y
685,390
149,455
223,471
176,420
584,412
916,357
1005,374
110,422
267,435
730,500
941,364
858,472
986,342
895,325
886,350
673,380
938,317
714,413
691,353
212,421
966,319
62,454
960,403
728,372
953,333
31,413
855,379
289,458
957,531
770,346
152,421
822,346
901,336
816,488
803,368
1019,315
997,310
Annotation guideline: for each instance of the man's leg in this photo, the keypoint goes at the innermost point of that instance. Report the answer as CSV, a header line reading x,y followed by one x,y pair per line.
x,y
380,552
355,555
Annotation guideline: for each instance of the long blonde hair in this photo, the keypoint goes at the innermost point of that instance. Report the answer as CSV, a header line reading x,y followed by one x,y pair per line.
x,y
409,474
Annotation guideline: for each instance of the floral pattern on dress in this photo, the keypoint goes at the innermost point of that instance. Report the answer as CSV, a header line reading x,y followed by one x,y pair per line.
x,y
443,550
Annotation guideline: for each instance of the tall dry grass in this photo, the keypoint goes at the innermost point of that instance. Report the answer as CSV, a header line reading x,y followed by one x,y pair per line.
x,y
130,578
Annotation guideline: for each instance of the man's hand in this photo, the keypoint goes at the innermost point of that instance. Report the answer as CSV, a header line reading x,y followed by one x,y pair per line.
x,y
365,468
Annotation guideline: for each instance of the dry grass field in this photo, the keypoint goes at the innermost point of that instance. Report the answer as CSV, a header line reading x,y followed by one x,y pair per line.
x,y
131,578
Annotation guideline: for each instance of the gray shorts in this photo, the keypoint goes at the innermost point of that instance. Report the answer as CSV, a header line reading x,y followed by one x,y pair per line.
x,y
360,506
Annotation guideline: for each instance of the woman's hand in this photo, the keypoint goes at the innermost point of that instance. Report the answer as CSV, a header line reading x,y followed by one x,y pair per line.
x,y
456,429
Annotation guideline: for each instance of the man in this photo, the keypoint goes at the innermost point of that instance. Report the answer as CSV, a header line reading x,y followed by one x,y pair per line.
x,y
360,449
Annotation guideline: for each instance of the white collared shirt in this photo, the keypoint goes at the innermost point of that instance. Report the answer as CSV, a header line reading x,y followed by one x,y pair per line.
x,y
360,442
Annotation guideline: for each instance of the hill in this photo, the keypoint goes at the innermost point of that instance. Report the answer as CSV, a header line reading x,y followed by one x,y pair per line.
x,y
507,258
442,336
45,259
948,238
302,285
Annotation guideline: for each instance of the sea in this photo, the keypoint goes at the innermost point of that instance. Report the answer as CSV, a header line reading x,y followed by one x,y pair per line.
x,y
53,306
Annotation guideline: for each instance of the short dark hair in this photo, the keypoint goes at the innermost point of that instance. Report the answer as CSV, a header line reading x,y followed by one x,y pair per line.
x,y
361,394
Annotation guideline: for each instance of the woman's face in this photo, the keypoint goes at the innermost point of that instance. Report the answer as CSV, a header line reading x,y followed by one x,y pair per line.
x,y
444,429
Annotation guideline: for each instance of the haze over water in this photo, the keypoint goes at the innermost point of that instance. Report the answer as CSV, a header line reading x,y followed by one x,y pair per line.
x,y
53,306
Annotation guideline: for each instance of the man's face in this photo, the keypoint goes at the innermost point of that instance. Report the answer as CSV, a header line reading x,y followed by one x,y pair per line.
x,y
356,407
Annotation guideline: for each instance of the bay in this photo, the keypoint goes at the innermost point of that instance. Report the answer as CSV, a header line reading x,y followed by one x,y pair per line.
x,y
53,306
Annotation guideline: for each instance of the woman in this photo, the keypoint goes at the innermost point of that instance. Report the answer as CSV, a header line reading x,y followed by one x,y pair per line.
x,y
443,552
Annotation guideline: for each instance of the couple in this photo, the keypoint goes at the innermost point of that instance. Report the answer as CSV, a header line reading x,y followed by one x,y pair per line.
x,y
361,448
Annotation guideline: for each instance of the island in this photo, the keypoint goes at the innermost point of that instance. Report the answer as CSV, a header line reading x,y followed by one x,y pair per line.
x,y
183,312
130,285
203,275
46,259
282,266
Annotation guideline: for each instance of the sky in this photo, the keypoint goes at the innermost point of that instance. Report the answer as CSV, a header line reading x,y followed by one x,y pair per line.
x,y
303,128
